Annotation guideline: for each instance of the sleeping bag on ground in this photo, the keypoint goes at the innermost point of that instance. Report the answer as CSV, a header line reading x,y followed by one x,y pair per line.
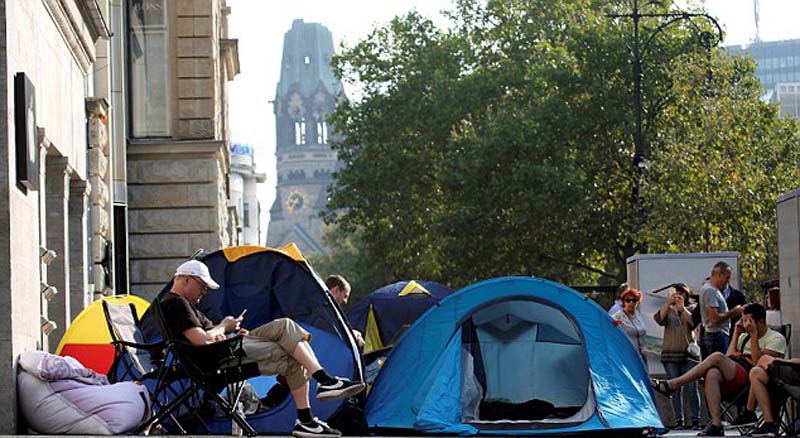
x,y
58,395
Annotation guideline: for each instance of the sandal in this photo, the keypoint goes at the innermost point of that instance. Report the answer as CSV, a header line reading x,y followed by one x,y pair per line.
x,y
662,386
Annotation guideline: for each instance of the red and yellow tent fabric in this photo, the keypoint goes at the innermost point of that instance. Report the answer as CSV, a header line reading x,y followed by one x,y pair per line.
x,y
87,338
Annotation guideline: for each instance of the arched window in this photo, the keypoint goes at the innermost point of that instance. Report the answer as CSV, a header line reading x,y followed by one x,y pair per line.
x,y
300,132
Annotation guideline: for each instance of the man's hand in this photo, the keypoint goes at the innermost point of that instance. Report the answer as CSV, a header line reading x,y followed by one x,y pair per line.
x,y
359,338
231,324
737,311
749,326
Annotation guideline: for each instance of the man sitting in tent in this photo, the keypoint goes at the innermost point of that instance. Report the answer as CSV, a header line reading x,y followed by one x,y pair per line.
x,y
278,347
340,290
728,374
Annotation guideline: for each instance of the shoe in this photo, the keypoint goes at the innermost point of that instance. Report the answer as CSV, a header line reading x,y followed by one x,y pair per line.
x,y
662,386
747,418
315,428
339,387
677,426
275,396
696,426
766,429
712,430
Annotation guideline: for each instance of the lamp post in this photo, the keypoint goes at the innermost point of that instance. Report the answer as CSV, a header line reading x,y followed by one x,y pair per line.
x,y
639,50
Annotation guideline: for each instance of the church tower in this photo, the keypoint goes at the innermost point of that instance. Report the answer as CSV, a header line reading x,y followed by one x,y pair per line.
x,y
306,94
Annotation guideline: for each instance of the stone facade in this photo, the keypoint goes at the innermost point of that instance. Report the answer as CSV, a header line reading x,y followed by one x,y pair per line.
x,y
306,95
55,45
177,167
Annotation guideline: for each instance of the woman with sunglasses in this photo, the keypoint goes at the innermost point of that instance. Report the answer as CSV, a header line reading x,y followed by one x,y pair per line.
x,y
631,320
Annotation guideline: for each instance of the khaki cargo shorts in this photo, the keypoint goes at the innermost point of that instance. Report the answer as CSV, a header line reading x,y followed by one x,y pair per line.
x,y
271,345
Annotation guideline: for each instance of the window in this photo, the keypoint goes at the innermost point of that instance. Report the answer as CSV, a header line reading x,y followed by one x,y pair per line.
x,y
300,132
148,68
246,214
307,60
322,132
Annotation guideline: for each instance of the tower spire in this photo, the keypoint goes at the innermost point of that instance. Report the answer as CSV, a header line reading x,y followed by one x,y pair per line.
x,y
756,13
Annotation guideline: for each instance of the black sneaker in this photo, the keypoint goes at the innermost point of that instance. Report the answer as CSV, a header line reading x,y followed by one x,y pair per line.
x,y
339,387
712,430
314,428
275,396
766,429
746,418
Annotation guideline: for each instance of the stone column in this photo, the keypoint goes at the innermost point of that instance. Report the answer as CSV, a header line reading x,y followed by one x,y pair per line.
x,y
78,266
57,175
97,114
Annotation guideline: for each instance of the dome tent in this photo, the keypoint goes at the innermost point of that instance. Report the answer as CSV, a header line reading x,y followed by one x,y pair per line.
x,y
386,312
515,356
270,284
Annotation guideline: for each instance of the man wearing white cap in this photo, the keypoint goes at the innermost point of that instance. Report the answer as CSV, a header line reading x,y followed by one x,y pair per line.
x,y
278,347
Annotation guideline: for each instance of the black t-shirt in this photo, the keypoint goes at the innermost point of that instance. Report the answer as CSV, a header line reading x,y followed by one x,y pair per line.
x,y
180,315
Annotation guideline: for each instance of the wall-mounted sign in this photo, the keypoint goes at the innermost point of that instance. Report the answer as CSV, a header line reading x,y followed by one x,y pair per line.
x,y
27,150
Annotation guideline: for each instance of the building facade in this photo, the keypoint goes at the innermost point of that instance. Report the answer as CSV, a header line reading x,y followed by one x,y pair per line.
x,y
306,95
778,69
56,182
180,60
244,182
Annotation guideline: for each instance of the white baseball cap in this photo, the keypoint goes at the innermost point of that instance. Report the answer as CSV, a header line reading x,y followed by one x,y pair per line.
x,y
196,268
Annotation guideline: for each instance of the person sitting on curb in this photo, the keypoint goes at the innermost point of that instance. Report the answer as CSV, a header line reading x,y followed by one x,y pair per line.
x,y
725,374
760,376
278,347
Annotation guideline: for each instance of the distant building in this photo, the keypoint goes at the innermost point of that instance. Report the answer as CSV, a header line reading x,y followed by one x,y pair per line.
x,y
788,94
777,65
244,180
306,95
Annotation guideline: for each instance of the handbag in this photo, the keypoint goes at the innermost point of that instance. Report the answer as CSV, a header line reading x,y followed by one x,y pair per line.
x,y
692,349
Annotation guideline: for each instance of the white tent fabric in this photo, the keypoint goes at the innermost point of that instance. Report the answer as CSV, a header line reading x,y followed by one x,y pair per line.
x,y
518,341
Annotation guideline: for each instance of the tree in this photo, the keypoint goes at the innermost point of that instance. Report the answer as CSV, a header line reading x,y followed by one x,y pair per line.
x,y
503,144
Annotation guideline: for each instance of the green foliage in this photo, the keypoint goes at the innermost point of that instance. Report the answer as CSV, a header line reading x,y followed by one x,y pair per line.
x,y
503,146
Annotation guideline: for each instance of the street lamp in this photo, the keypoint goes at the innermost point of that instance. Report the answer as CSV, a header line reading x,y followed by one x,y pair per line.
x,y
639,51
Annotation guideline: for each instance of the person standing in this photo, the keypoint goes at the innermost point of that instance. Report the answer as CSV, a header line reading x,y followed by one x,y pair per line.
x,y
631,320
617,306
714,311
678,326
733,297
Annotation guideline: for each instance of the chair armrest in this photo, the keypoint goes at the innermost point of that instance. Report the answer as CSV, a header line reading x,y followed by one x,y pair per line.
x,y
149,347
210,357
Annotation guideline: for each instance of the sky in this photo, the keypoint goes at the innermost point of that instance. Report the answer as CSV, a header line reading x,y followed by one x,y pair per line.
x,y
260,25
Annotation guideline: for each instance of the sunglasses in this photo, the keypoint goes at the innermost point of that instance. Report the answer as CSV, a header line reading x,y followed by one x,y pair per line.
x,y
631,300
200,282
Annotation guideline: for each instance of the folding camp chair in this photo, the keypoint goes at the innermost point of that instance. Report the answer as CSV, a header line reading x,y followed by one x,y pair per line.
x,y
134,357
733,405
210,369
137,359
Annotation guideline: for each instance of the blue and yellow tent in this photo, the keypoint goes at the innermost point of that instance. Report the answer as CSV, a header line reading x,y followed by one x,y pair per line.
x,y
513,356
384,313
275,283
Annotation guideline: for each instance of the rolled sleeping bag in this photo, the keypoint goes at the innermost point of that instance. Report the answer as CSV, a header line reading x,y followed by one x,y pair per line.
x,y
57,395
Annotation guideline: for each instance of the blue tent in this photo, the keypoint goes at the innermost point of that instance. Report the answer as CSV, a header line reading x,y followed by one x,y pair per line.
x,y
384,313
519,356
270,284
